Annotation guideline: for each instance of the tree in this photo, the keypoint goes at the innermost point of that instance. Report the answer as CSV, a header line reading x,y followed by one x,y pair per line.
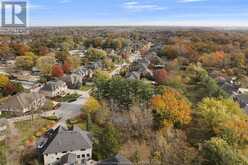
x,y
24,62
223,118
57,71
101,75
9,89
217,152
67,67
92,105
202,84
90,108
213,59
123,92
21,49
45,64
73,61
43,51
170,108
107,143
95,54
169,51
4,80
160,75
62,55
18,86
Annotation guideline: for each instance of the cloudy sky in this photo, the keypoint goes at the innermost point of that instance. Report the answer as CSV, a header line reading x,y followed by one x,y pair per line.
x,y
138,12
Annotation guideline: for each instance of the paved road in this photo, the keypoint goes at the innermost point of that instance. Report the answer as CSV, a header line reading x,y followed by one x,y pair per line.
x,y
70,110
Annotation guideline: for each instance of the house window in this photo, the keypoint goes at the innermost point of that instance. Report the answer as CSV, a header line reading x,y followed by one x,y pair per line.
x,y
83,155
78,156
64,152
88,155
57,158
82,149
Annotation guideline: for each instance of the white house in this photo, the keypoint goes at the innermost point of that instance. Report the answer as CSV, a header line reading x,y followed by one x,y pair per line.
x,y
63,146
54,88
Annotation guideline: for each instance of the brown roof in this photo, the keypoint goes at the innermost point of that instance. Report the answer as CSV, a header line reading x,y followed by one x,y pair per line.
x,y
19,101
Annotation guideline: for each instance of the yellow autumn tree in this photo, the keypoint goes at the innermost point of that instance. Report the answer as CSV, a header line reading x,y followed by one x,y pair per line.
x,y
170,108
225,119
4,80
91,105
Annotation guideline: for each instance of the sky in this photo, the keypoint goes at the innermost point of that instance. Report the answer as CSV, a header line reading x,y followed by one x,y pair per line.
x,y
138,12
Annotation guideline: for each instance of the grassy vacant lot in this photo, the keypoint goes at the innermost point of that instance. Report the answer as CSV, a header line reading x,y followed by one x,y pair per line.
x,y
32,129
20,147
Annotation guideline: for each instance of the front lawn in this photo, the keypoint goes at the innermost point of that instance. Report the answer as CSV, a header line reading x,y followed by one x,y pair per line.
x,y
69,98
86,87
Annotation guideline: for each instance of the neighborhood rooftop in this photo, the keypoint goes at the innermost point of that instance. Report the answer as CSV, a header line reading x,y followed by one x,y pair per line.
x,y
67,140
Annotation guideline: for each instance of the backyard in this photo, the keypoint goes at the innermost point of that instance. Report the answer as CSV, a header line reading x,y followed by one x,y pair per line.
x,y
21,140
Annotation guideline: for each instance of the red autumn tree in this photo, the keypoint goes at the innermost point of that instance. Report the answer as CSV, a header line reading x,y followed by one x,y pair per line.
x,y
9,89
67,67
57,71
21,49
160,75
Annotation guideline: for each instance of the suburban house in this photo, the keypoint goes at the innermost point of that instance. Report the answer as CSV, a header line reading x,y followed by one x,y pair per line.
x,y
116,160
54,88
65,146
22,103
73,81
139,69
133,75
84,73
3,128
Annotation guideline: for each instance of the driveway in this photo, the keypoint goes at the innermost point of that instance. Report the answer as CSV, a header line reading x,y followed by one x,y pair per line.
x,y
70,110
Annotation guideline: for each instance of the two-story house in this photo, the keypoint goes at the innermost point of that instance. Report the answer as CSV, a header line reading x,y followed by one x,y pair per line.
x,y
22,103
61,146
54,88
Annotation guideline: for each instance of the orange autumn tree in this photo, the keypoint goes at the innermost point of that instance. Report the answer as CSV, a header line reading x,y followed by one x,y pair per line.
x,y
218,57
213,59
170,109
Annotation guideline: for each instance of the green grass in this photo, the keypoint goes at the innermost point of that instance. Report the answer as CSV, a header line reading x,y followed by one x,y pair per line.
x,y
32,129
3,150
86,87
69,98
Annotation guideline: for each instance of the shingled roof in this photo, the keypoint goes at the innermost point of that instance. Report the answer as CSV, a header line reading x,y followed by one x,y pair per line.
x,y
19,101
52,85
67,140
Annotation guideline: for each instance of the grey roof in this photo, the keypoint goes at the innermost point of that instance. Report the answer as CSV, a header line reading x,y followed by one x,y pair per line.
x,y
68,159
20,101
134,75
82,71
116,160
52,85
67,140
3,122
242,99
73,80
